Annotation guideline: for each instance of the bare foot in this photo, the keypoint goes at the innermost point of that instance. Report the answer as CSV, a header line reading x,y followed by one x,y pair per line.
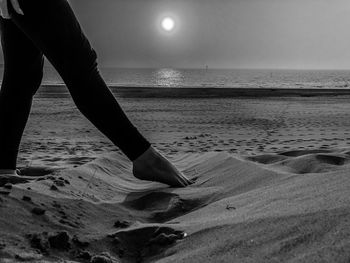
x,y
152,166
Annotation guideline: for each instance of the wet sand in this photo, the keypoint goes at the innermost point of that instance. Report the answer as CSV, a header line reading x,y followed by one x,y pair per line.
x,y
208,92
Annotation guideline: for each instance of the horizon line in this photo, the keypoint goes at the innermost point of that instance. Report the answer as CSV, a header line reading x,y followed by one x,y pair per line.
x,y
216,68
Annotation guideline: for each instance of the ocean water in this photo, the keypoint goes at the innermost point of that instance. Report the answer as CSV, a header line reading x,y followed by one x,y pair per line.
x,y
218,78
215,78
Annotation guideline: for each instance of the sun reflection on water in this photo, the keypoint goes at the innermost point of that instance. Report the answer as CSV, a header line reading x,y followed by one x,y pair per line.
x,y
168,77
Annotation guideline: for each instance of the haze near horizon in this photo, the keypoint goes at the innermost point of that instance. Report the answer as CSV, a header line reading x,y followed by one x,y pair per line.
x,y
295,34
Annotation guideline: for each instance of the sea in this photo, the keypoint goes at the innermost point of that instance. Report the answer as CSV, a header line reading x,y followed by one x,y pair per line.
x,y
213,78
217,78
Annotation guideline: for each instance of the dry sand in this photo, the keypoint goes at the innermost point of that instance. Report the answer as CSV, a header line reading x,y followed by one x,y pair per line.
x,y
291,207
265,205
57,134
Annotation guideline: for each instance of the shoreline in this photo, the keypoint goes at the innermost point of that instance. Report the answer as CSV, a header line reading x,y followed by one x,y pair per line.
x,y
226,92
209,92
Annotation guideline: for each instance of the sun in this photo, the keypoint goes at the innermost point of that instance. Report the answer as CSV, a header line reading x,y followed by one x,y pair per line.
x,y
168,24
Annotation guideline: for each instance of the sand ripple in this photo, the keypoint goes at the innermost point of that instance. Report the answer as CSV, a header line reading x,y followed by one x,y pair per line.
x,y
286,207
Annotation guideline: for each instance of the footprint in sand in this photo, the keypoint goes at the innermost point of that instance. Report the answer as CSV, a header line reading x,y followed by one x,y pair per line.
x,y
163,206
27,174
145,242
12,179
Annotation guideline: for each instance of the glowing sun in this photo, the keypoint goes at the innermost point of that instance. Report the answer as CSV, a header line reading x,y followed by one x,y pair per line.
x,y
168,24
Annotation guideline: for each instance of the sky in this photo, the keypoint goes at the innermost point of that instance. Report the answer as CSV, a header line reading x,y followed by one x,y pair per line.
x,y
297,34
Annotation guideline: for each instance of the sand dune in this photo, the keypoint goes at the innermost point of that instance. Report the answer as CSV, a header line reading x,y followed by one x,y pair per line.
x,y
286,207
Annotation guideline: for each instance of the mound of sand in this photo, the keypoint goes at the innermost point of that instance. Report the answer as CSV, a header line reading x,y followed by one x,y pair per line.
x,y
287,207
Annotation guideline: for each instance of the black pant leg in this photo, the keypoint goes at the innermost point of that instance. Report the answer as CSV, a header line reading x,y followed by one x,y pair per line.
x,y
23,71
53,27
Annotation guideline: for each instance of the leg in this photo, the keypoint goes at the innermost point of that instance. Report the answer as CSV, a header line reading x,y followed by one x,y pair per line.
x,y
52,26
21,79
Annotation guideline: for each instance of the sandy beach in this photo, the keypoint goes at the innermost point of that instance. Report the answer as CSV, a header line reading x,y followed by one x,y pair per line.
x,y
190,121
271,171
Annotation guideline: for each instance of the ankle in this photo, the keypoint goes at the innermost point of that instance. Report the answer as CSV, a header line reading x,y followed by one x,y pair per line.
x,y
148,155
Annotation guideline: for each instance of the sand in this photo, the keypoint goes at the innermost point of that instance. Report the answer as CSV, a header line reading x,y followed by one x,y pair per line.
x,y
290,207
272,185
58,136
